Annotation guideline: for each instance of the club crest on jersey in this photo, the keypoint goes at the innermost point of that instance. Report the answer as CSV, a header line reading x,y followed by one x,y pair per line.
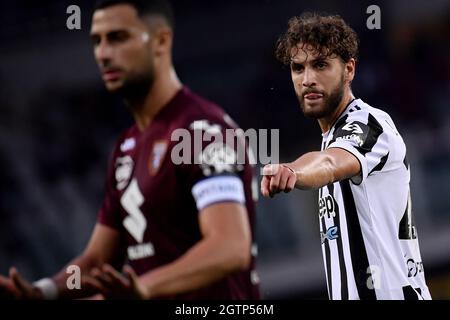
x,y
157,156
414,267
124,168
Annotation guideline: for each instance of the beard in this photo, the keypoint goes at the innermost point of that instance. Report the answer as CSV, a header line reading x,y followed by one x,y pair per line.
x,y
137,86
330,102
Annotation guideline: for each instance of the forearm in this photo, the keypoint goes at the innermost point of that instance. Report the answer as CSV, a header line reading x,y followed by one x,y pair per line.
x,y
314,170
206,262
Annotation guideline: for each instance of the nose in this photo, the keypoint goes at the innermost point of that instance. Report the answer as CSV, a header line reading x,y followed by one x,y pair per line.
x,y
308,77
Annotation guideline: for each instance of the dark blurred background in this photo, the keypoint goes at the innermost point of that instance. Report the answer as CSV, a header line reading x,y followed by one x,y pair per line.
x,y
58,123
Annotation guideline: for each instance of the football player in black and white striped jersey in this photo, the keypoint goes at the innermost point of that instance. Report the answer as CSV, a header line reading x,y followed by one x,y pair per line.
x,y
369,240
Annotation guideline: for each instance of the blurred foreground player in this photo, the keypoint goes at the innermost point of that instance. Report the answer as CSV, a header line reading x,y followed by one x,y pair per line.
x,y
369,241
185,229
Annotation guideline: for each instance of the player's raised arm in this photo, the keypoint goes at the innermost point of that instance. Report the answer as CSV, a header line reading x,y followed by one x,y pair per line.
x,y
311,171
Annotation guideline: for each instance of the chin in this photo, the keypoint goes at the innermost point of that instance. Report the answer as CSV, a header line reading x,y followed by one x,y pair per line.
x,y
113,87
314,112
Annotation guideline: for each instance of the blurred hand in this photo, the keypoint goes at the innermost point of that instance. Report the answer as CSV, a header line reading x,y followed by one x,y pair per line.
x,y
16,287
277,178
113,285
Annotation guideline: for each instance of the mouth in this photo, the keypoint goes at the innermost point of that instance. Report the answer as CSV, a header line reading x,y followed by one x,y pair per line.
x,y
111,75
313,96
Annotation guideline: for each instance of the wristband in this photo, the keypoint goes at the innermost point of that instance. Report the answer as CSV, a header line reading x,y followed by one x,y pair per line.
x,y
48,288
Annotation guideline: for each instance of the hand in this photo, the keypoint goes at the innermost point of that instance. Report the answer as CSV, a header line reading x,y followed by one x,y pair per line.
x,y
16,287
113,285
277,178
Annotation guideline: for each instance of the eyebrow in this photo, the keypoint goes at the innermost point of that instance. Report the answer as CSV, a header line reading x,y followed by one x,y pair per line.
x,y
93,34
318,59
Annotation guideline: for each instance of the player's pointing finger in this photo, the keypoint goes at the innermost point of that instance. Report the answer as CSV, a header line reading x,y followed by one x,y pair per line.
x,y
265,182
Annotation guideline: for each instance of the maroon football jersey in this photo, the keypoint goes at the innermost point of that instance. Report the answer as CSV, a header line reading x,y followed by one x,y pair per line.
x,y
155,201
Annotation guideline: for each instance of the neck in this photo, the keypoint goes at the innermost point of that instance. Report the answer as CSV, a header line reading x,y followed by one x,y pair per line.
x,y
326,122
164,88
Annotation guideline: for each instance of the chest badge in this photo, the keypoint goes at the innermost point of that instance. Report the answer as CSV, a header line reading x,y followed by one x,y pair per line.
x,y
157,156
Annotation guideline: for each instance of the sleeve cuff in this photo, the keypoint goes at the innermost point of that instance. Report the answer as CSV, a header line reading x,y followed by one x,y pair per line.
x,y
362,160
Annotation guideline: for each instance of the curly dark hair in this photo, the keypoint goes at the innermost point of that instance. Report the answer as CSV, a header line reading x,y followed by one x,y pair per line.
x,y
329,35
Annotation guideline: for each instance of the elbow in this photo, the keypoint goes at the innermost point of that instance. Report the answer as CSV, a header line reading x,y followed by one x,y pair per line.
x,y
243,260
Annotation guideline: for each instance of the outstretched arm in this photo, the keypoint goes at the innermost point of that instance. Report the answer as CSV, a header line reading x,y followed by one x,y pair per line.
x,y
311,171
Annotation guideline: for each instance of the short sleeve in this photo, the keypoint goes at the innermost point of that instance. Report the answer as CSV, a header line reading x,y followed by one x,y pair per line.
x,y
366,140
214,170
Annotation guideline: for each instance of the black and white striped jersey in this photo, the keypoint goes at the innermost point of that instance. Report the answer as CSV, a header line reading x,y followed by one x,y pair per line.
x,y
369,241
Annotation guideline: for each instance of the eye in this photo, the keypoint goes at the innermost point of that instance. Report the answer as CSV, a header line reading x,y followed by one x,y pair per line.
x,y
118,36
321,65
296,67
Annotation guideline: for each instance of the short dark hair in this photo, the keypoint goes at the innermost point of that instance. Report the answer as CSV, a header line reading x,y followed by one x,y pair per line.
x,y
144,7
327,34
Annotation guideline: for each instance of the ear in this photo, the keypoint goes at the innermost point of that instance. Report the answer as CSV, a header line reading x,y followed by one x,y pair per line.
x,y
350,70
162,40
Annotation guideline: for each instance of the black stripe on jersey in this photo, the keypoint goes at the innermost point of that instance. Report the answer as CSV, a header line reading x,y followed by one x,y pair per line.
x,y
355,108
375,130
342,268
327,255
381,164
420,292
409,293
407,226
358,253
339,124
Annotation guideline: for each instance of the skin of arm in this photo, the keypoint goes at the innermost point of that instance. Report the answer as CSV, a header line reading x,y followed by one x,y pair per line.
x,y
312,170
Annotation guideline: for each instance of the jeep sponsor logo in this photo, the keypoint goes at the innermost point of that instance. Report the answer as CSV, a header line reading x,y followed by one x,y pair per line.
x,y
327,207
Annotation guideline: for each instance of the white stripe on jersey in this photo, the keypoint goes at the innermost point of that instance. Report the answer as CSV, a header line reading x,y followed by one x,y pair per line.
x,y
369,243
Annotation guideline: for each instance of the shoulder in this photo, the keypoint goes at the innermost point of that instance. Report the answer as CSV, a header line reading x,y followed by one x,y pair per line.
x,y
125,142
364,126
362,119
201,112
